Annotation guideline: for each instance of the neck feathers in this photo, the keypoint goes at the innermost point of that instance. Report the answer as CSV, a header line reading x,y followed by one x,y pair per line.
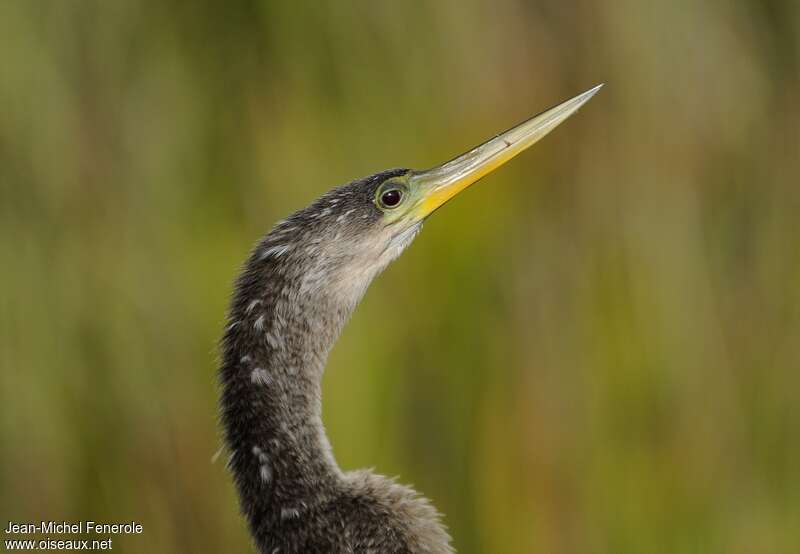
x,y
273,355
284,318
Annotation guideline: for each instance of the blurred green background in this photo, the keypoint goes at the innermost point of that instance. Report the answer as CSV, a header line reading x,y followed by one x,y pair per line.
x,y
595,350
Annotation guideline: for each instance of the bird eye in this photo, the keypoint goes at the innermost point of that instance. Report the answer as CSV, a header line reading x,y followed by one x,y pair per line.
x,y
390,198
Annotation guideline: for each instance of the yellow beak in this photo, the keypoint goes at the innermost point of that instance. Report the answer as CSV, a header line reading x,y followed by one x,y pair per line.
x,y
440,184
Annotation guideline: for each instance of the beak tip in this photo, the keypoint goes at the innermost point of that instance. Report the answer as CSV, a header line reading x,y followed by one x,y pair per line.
x,y
581,99
592,91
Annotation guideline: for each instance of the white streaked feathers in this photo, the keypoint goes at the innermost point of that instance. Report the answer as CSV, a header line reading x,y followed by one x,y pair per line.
x,y
259,324
259,376
264,469
276,251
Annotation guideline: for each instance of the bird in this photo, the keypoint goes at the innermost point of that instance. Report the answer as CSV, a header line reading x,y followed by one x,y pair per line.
x,y
295,292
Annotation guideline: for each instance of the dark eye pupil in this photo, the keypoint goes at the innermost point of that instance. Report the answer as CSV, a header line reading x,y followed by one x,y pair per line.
x,y
391,198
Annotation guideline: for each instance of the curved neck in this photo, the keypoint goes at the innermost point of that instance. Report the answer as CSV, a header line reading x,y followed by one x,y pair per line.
x,y
273,356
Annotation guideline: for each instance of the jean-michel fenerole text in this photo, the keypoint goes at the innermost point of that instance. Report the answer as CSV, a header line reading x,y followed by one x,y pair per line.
x,y
78,527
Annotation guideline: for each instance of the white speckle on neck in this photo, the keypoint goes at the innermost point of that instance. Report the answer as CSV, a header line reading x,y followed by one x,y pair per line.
x,y
232,325
244,359
264,469
289,513
259,324
281,228
251,306
276,251
259,376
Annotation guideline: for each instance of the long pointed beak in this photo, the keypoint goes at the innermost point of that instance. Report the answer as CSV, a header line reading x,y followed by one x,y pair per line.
x,y
440,184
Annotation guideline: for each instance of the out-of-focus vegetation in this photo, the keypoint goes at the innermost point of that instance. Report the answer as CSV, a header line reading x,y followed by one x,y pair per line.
x,y
595,350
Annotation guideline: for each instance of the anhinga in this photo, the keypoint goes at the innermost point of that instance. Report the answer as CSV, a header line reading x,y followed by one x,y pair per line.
x,y
294,295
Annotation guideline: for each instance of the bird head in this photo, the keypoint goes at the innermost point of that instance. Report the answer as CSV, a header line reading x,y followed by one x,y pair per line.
x,y
341,241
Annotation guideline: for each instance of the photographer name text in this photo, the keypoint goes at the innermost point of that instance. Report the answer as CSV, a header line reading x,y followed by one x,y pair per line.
x,y
73,528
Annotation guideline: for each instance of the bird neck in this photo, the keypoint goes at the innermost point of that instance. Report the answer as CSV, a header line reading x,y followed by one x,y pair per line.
x,y
274,352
